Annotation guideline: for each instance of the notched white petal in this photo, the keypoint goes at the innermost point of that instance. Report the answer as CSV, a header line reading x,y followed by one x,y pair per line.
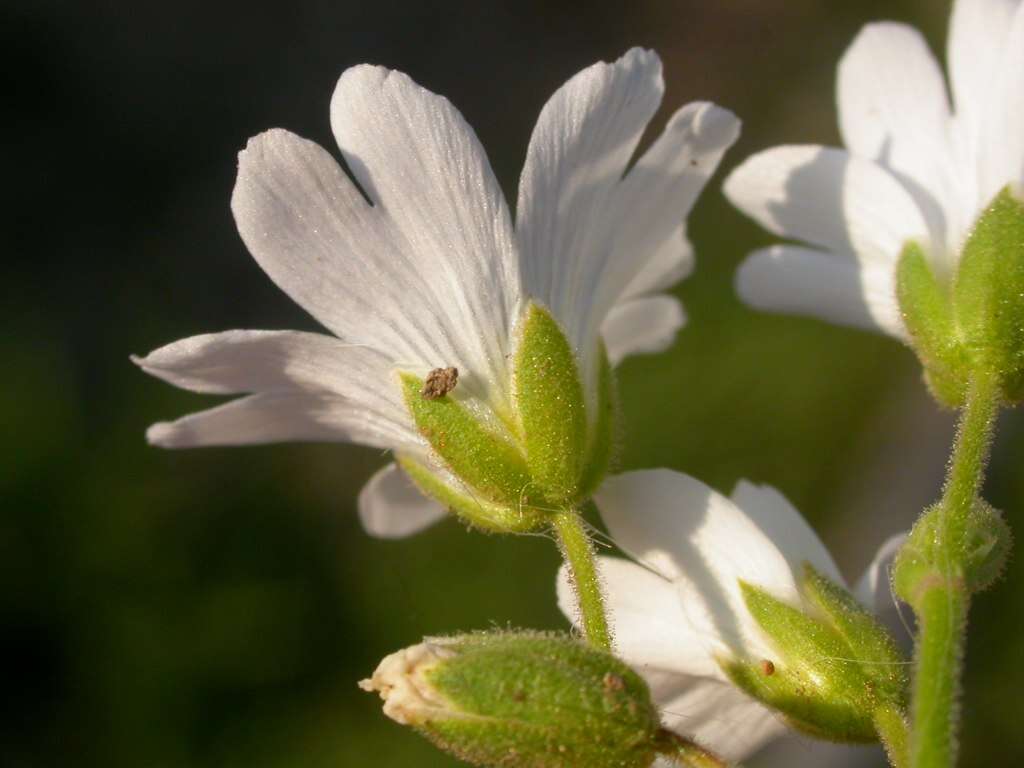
x,y
449,229
578,153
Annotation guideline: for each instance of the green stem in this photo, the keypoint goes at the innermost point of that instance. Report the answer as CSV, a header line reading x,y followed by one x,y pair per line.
x,y
970,452
687,753
942,600
891,725
579,555
942,614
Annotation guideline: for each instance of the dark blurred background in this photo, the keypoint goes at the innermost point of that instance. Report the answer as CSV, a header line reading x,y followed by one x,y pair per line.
x,y
216,607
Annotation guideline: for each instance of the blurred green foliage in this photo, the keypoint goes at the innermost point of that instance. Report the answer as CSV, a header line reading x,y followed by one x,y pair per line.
x,y
216,607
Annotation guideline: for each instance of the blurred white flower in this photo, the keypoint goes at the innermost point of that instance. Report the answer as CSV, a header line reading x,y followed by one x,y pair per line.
x,y
419,267
915,168
679,607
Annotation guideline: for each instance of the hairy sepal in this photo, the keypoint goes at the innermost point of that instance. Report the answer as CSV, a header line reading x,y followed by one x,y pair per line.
x,y
550,403
820,681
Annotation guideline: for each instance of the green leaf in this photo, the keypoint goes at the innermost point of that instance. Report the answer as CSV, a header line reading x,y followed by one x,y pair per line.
x,y
550,403
928,316
492,467
988,293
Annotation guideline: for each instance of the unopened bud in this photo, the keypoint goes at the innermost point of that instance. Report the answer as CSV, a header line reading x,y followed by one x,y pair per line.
x,y
521,699
972,550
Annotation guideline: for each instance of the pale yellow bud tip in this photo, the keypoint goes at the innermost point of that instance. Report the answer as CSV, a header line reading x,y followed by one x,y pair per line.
x,y
400,679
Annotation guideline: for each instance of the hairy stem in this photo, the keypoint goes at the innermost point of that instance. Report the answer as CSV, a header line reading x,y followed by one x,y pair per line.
x,y
579,555
686,753
942,599
894,733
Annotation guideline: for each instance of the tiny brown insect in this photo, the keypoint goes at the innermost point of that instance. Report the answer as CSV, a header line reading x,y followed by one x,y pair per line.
x,y
767,667
439,382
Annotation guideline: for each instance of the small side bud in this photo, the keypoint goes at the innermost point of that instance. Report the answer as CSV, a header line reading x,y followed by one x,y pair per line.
x,y
988,293
973,551
521,699
833,671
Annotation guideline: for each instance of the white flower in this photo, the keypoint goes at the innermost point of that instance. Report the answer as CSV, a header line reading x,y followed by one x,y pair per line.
x,y
679,606
914,169
419,267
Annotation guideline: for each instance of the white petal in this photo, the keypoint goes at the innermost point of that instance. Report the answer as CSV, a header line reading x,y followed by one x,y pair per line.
x,y
827,197
640,326
283,417
348,264
648,625
780,522
392,507
687,532
893,108
718,716
659,192
671,262
978,32
275,361
1002,149
429,178
873,589
802,281
578,153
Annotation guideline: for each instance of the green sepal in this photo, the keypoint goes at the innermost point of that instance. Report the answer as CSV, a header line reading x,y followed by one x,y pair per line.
x,y
815,683
870,644
603,438
536,700
474,510
970,554
928,316
549,400
489,464
988,293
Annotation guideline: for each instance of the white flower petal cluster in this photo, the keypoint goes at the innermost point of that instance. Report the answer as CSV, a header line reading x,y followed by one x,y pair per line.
x,y
918,166
678,608
420,266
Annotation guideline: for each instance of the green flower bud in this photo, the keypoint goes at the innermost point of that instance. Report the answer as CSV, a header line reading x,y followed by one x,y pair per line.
x,y
521,699
836,671
549,453
973,550
976,322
